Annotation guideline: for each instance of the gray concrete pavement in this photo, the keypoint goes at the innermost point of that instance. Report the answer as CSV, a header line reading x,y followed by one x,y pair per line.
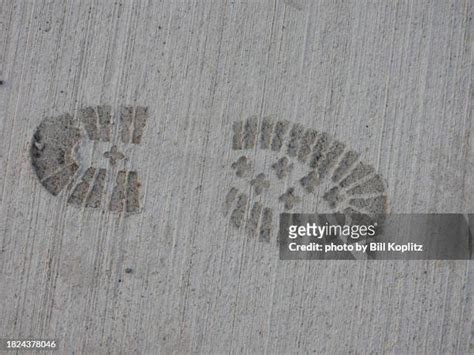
x,y
186,267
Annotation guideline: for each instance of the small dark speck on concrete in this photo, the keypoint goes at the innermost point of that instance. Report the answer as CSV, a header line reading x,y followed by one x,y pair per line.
x,y
128,270
2,82
159,27
120,280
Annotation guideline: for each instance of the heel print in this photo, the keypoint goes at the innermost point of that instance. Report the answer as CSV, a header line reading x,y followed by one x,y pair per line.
x,y
60,168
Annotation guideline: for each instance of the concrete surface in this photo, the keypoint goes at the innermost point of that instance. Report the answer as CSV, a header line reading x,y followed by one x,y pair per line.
x,y
147,252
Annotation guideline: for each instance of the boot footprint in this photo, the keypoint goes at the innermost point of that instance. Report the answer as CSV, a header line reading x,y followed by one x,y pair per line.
x,y
85,158
304,163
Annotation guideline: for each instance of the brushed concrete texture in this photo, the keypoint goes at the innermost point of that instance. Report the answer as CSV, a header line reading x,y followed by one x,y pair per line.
x,y
389,79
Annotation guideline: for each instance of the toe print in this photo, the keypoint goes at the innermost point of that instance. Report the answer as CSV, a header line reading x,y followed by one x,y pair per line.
x,y
61,144
303,166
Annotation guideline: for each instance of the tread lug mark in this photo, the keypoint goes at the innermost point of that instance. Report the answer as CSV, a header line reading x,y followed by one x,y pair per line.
x,y
334,152
54,184
133,192
333,196
295,136
126,193
229,199
266,224
310,181
361,170
88,117
237,215
345,164
95,196
117,201
281,127
105,118
289,198
266,133
126,117
242,166
260,183
79,193
282,168
306,143
141,117
252,223
250,132
372,205
319,149
374,185
237,138
133,123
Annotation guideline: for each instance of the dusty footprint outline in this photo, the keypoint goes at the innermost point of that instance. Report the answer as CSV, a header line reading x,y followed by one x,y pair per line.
x,y
356,187
59,168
